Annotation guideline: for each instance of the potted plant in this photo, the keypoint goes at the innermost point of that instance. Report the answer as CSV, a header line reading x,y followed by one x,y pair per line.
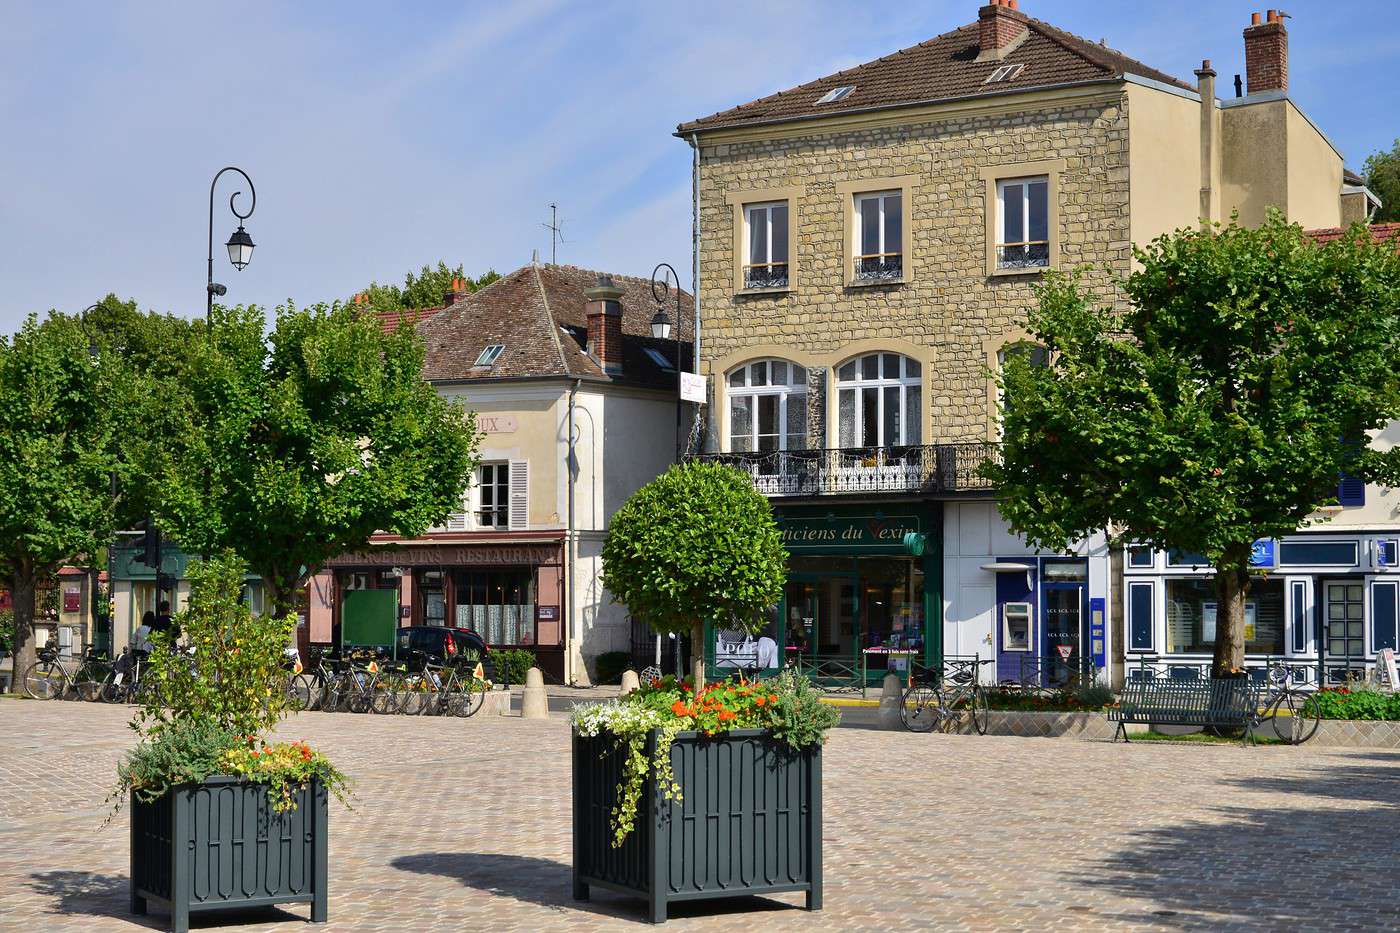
x,y
221,816
683,790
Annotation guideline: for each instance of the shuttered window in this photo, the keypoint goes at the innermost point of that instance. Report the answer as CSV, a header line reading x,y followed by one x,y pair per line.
x,y
519,494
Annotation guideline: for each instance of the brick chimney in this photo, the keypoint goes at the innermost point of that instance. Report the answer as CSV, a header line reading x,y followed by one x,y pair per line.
x,y
1266,54
604,313
456,293
1002,26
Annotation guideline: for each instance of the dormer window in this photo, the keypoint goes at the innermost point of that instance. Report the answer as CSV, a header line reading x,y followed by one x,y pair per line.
x,y
490,354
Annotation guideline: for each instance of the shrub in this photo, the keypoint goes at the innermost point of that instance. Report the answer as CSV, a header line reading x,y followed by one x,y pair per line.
x,y
610,665
512,663
1345,703
7,631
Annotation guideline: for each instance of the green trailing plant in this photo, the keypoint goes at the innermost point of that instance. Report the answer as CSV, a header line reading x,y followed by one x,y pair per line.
x,y
786,706
187,752
514,662
1359,703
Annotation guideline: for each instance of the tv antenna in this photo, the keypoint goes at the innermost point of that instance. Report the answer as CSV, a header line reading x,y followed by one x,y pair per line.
x,y
556,234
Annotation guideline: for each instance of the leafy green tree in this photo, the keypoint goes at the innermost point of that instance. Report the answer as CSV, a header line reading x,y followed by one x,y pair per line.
x,y
292,447
424,290
696,545
1211,410
1383,178
57,440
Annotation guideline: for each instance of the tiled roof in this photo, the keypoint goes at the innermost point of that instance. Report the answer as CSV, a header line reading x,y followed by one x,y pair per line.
x,y
390,320
940,69
537,314
1379,232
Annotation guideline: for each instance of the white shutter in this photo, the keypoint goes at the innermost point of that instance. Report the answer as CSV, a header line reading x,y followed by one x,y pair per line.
x,y
457,521
519,494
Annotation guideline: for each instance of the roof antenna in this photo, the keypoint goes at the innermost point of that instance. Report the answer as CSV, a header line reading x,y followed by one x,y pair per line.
x,y
556,234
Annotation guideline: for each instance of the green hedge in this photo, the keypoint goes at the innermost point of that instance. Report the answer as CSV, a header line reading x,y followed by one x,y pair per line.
x,y
1343,703
515,662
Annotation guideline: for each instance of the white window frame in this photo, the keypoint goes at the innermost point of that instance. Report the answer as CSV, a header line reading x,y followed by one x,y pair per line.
x,y
501,511
884,252
1298,595
753,392
767,208
1373,584
1025,183
1021,606
881,382
1157,614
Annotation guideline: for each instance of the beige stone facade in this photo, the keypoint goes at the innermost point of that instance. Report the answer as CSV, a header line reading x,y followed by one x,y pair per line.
x,y
948,306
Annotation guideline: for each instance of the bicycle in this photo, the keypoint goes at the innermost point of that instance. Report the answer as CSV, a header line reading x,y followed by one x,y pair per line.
x,y
1294,714
46,678
945,694
124,683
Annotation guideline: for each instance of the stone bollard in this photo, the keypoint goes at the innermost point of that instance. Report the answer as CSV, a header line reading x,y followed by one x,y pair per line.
x,y
629,682
534,702
891,694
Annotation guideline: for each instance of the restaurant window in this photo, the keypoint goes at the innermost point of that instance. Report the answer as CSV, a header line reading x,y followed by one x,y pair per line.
x,y
498,604
880,401
1193,616
767,406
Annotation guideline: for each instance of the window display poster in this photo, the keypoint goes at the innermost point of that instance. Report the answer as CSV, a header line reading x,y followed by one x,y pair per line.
x,y
1207,623
1251,616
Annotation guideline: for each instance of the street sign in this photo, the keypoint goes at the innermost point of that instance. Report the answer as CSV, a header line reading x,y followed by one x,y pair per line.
x,y
1065,651
692,388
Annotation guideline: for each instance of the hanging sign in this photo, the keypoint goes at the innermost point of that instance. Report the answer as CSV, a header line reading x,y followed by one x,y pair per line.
x,y
692,388
1385,663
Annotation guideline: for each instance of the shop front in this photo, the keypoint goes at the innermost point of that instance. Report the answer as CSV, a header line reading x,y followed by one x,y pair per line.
x,y
861,598
510,593
1324,604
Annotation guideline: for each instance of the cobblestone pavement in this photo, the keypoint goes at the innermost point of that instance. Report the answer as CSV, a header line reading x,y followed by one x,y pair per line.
x,y
464,825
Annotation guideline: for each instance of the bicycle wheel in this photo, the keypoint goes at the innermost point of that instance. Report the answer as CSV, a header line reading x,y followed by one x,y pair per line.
x,y
920,708
111,688
470,698
298,693
415,695
384,698
981,711
1295,716
967,705
89,681
45,680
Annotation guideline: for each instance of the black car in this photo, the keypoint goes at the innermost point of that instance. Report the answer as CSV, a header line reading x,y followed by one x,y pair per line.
x,y
441,644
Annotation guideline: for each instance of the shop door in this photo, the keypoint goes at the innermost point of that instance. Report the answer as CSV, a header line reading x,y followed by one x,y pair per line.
x,y
803,617
820,619
1344,618
1063,624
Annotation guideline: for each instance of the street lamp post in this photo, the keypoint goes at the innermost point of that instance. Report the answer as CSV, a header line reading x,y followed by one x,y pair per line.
x,y
240,244
661,329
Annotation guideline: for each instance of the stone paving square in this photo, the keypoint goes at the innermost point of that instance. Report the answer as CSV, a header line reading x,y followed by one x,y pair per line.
x,y
464,825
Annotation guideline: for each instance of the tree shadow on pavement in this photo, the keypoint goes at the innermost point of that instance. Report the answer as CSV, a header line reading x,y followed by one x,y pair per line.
x,y
1264,868
84,893
550,884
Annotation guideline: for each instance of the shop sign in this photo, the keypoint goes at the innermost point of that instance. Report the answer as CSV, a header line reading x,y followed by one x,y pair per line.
x,y
1097,636
547,613
693,388
1262,554
496,424
71,598
834,532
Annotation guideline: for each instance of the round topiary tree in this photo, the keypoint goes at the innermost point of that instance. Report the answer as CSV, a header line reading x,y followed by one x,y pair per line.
x,y
697,544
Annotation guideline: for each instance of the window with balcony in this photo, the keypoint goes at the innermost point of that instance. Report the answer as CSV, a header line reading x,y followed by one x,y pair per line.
x,y
879,237
767,406
766,235
880,401
1023,223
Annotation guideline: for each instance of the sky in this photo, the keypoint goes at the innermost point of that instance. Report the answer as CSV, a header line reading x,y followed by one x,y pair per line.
x,y
382,136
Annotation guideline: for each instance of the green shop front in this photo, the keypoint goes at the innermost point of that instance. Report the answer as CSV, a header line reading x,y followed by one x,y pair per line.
x,y
863,596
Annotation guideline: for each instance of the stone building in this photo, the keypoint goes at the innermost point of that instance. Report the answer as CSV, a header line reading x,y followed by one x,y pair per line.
x,y
868,244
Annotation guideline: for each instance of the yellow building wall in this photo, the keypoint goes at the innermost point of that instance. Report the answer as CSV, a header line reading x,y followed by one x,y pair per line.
x,y
1164,162
1314,175
1254,157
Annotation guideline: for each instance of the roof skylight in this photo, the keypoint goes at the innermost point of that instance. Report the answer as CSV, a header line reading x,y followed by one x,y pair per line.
x,y
490,354
1004,73
660,360
836,93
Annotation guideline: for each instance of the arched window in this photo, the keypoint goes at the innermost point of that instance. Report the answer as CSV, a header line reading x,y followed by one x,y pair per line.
x,y
879,401
767,406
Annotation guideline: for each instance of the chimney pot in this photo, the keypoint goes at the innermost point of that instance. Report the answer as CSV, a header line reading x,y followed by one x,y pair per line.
x,y
1266,54
1255,19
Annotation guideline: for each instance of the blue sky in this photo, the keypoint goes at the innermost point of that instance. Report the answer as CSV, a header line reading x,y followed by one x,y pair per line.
x,y
382,136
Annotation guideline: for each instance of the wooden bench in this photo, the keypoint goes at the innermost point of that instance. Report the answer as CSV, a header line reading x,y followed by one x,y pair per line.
x,y
1226,703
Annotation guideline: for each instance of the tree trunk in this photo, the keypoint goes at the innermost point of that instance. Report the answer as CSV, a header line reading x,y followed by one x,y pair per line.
x,y
280,594
1231,589
23,654
697,654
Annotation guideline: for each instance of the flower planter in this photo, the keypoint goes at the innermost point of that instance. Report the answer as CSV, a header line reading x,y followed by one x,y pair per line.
x,y
749,821
219,844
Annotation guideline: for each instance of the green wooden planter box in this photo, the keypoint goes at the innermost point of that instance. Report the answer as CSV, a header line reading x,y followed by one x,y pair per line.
x,y
219,844
749,821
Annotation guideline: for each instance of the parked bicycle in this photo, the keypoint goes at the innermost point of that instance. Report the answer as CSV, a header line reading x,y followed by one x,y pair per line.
x,y
946,694
1293,713
47,678
124,683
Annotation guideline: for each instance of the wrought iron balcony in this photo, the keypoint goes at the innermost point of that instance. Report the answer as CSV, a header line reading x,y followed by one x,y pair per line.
x,y
937,469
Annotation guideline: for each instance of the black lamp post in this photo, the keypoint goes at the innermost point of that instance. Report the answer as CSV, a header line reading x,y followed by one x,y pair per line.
x,y
240,244
661,328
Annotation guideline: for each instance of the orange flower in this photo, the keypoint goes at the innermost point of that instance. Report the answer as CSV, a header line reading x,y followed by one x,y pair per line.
x,y
759,701
772,698
679,708
725,715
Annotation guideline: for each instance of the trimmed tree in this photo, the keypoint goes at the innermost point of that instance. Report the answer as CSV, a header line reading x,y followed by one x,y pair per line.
x,y
1218,407
696,545
57,437
293,447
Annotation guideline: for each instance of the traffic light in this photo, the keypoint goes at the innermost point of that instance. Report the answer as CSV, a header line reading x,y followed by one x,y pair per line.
x,y
148,549
165,582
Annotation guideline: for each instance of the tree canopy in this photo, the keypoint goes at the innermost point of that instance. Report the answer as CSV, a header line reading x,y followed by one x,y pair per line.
x,y
1219,406
292,447
697,544
1383,178
59,414
424,290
